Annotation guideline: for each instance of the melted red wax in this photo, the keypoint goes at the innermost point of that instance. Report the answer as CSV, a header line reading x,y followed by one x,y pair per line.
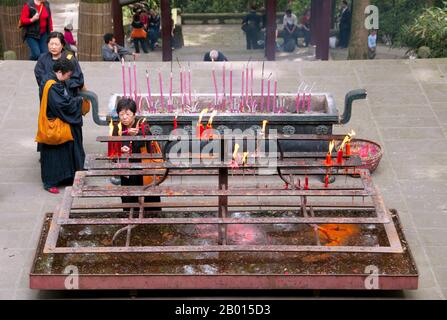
x,y
236,233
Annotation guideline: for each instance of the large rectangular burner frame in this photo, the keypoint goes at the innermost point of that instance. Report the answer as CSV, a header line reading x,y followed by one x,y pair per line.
x,y
309,164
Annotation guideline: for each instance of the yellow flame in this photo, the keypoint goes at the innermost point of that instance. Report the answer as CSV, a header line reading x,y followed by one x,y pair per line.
x,y
111,128
202,113
264,123
210,121
244,158
236,149
331,146
144,119
345,141
120,129
351,134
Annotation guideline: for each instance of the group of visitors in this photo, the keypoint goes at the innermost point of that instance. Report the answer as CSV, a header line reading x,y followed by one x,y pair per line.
x,y
145,34
292,30
59,78
145,29
254,26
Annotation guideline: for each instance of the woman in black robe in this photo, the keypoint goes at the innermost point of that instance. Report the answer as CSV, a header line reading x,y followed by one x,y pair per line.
x,y
126,110
44,66
59,163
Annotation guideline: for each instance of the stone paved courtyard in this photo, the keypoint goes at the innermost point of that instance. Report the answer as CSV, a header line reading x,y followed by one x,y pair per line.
x,y
405,112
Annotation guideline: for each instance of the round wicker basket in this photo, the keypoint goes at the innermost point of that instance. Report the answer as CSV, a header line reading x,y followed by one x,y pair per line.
x,y
369,152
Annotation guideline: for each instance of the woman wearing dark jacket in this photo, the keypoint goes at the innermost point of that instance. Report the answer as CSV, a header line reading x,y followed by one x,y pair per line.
x,y
36,20
59,163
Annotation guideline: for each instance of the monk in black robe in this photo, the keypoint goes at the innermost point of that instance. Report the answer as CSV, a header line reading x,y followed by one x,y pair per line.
x,y
59,163
44,66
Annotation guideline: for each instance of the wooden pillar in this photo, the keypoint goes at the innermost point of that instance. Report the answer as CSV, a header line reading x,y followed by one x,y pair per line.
x,y
324,22
166,23
118,28
270,47
313,22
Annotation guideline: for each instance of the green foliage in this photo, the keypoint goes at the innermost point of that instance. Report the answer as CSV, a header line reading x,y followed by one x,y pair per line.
x,y
424,52
428,30
300,6
95,1
228,6
394,14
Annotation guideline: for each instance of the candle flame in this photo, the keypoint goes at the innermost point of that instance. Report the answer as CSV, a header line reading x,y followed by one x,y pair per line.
x,y
111,128
264,123
122,62
347,139
210,121
351,134
236,148
120,129
331,146
244,158
202,113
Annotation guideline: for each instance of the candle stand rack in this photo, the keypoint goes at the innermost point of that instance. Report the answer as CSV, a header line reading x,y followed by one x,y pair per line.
x,y
264,222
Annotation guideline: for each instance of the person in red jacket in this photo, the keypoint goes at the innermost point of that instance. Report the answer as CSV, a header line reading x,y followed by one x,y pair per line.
x,y
37,23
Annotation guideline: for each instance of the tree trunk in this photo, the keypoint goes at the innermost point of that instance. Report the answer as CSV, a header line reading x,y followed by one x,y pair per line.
x,y
94,21
358,44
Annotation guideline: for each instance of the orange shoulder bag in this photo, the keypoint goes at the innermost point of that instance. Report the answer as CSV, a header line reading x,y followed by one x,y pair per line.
x,y
51,131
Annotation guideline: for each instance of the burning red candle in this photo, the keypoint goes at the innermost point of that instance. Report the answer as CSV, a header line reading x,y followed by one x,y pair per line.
x,y
200,130
143,129
175,122
328,159
326,181
306,183
340,156
348,149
